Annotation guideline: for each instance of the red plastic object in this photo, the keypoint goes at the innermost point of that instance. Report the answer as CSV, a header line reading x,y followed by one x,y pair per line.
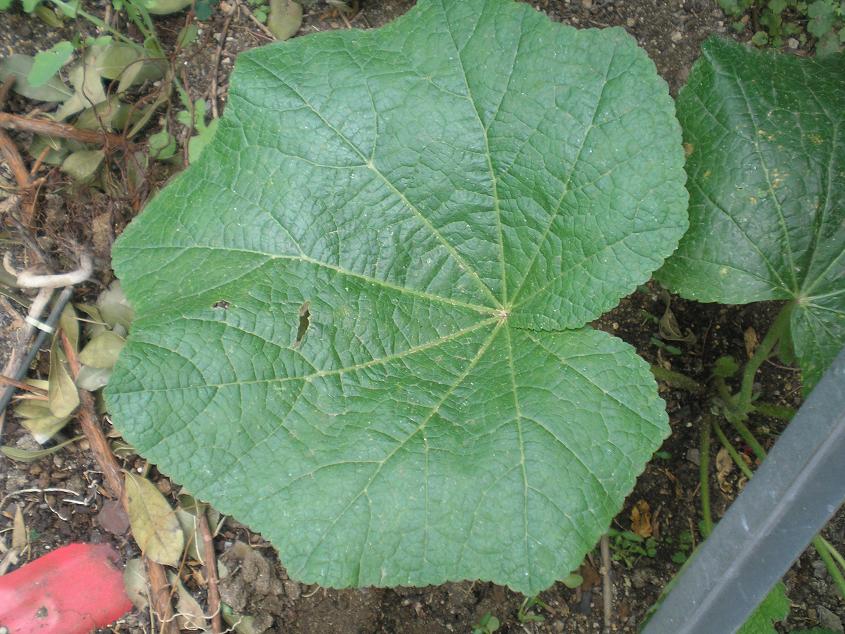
x,y
72,590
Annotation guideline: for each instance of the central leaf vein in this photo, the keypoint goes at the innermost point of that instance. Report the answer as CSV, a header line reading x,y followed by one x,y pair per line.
x,y
464,265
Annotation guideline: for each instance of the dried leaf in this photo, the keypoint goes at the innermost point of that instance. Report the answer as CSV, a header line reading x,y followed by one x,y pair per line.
x,y
669,329
284,19
20,536
641,519
113,307
19,66
62,394
31,455
102,351
724,466
136,584
189,614
188,522
88,88
44,427
751,341
113,518
154,524
69,324
92,379
82,166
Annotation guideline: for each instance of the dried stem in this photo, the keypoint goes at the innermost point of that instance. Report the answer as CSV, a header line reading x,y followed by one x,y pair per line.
x,y
6,380
607,585
63,130
211,574
13,158
212,91
114,485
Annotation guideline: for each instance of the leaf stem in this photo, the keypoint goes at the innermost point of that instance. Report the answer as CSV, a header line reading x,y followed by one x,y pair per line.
x,y
827,553
704,478
762,353
750,439
734,454
775,411
676,379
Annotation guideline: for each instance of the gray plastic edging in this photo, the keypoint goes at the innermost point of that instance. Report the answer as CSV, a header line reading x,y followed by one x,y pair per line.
x,y
792,495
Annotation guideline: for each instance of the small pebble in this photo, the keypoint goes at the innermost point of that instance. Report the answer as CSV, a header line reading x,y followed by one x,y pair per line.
x,y
677,36
694,456
587,4
631,21
163,485
829,620
792,43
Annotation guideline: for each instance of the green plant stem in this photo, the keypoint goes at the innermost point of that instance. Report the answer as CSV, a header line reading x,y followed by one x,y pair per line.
x,y
749,438
704,479
675,379
93,19
762,353
834,553
775,411
732,452
827,553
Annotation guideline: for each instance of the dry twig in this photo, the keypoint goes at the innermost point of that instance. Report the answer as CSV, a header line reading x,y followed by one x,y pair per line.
x,y
211,574
215,64
63,130
114,484
607,585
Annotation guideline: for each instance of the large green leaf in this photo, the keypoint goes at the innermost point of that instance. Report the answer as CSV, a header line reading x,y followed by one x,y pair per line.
x,y
339,306
767,190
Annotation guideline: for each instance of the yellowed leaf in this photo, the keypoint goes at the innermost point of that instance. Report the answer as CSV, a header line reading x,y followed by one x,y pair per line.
x,y
70,325
20,537
102,350
62,394
724,466
641,519
751,341
189,614
154,524
135,583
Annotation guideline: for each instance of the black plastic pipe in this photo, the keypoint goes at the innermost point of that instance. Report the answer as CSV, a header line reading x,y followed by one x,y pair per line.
x,y
793,494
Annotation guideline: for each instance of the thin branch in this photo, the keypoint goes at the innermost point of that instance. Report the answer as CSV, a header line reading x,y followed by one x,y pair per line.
x,y
63,130
13,158
211,574
607,584
215,64
6,380
114,485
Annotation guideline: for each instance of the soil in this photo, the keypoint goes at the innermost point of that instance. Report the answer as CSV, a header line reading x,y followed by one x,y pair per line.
x,y
671,32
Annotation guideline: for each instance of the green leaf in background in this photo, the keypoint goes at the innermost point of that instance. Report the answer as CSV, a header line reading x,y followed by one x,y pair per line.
x,y
63,397
821,17
20,66
361,315
5,4
82,166
102,350
773,609
48,63
767,192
